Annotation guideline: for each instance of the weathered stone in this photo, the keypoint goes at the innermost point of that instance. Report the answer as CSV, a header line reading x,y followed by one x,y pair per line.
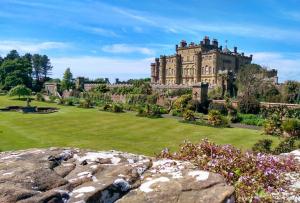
x,y
58,175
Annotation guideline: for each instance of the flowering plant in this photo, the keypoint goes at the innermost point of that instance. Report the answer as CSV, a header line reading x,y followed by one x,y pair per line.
x,y
255,176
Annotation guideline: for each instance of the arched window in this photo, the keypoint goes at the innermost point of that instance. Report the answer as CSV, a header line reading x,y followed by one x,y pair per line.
x,y
209,70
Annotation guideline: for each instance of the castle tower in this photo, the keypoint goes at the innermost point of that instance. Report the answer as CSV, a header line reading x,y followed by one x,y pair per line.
x,y
162,70
178,70
153,76
157,69
198,64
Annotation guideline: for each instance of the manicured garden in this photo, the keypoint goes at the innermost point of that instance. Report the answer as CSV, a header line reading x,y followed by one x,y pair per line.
x,y
94,129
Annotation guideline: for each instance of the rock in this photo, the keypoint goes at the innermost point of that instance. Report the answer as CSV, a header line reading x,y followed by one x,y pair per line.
x,y
71,175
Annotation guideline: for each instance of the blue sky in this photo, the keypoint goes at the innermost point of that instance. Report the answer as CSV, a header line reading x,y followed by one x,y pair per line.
x,y
119,38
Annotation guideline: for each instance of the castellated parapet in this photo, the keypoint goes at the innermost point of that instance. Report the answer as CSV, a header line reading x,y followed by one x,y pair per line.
x,y
194,63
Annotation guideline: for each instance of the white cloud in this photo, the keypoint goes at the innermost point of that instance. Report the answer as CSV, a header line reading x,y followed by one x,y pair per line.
x,y
193,26
94,67
127,48
288,65
32,47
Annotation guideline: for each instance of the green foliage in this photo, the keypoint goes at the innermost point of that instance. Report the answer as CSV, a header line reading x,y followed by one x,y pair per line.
x,y
67,81
248,104
85,103
233,115
102,88
249,77
178,92
15,70
215,93
263,146
188,115
152,99
39,97
219,107
151,111
136,99
20,91
291,126
215,118
285,146
292,92
182,104
114,107
272,126
251,119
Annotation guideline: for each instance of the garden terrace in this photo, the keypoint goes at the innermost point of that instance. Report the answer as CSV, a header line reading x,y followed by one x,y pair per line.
x,y
94,129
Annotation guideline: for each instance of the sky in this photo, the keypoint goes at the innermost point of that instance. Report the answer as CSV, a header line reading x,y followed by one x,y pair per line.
x,y
120,38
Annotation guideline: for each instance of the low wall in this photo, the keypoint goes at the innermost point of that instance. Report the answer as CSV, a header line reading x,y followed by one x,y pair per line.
x,y
262,104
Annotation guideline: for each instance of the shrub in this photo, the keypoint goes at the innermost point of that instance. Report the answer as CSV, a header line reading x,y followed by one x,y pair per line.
x,y
285,146
293,113
176,112
151,111
188,115
219,107
102,88
85,103
272,126
291,126
181,103
248,104
53,98
216,119
216,93
39,97
233,115
152,99
58,101
179,92
263,146
251,174
116,108
251,119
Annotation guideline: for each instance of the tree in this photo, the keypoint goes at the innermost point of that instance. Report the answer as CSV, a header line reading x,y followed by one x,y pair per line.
x,y
46,66
249,77
292,91
13,54
20,91
15,70
67,81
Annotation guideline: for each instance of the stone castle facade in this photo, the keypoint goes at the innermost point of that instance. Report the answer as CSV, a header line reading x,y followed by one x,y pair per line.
x,y
195,63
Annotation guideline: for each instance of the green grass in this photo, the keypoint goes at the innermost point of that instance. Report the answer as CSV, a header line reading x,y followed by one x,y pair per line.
x,y
94,129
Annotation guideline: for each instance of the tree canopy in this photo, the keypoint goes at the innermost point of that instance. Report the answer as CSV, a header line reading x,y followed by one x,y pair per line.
x,y
20,91
29,70
67,81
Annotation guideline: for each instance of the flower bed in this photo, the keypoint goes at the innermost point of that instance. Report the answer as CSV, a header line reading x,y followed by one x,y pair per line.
x,y
255,176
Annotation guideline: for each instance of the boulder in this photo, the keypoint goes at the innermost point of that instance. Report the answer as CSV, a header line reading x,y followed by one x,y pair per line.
x,y
75,175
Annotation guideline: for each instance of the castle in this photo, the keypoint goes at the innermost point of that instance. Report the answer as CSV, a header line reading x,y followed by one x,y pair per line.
x,y
196,63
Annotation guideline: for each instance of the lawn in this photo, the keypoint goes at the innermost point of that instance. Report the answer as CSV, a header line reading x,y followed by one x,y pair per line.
x,y
94,129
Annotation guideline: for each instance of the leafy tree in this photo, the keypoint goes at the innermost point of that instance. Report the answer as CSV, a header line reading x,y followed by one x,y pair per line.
x,y
20,91
46,66
67,81
292,91
15,70
13,54
249,77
